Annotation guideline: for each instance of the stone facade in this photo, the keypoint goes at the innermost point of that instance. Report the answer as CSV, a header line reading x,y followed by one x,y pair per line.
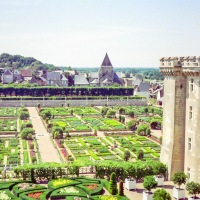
x,y
181,127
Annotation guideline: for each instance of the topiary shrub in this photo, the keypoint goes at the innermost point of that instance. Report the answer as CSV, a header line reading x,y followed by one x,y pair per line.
x,y
161,194
121,188
131,113
111,114
149,183
23,115
179,178
113,184
26,125
140,155
131,125
26,131
193,188
122,111
141,129
127,155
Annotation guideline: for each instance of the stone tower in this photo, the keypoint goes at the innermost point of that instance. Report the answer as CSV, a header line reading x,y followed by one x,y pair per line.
x,y
106,72
181,117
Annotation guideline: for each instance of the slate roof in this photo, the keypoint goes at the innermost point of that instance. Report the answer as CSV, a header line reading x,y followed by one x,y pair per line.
x,y
64,78
119,74
42,78
26,72
144,87
106,61
33,80
95,81
7,72
106,81
136,82
94,74
80,80
116,79
54,76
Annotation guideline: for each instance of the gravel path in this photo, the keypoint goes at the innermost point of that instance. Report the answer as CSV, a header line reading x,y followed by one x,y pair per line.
x,y
47,150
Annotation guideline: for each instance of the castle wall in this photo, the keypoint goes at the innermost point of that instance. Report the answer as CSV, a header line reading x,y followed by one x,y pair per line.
x,y
173,145
181,121
192,130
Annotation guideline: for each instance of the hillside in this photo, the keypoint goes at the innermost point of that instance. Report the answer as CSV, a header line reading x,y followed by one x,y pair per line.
x,y
19,62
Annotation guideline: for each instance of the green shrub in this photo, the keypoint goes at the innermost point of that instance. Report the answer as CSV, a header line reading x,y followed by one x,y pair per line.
x,y
111,113
23,115
26,131
141,129
127,155
131,125
121,110
121,188
193,188
140,155
149,183
113,184
161,194
46,114
26,125
179,178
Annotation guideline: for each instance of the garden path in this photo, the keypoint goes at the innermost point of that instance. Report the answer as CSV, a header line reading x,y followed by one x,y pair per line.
x,y
6,144
5,159
47,151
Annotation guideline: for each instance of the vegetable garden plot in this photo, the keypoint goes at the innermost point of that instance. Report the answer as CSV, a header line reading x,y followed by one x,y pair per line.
x,y
8,125
9,152
85,111
86,147
71,124
8,112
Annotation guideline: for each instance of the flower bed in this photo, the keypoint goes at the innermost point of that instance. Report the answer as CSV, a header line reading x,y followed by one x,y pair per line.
x,y
31,195
67,191
53,184
24,187
60,189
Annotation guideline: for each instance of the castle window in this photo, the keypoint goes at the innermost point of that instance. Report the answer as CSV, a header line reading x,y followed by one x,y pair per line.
x,y
191,85
189,143
188,173
190,112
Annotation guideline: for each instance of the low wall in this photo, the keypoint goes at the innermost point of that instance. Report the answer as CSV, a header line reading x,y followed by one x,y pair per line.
x,y
55,103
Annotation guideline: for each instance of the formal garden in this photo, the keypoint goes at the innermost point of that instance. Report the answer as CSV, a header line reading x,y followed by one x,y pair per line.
x,y
64,181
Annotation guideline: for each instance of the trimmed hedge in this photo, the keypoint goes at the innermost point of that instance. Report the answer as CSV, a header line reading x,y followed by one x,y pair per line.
x,y
97,191
56,194
32,187
9,194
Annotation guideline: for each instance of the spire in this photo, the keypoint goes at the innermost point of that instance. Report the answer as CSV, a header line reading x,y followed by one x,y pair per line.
x,y
106,61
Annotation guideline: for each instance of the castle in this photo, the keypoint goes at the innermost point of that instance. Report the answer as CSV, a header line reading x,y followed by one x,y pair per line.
x,y
181,117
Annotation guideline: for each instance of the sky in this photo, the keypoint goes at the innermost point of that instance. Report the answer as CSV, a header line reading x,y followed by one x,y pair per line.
x,y
78,33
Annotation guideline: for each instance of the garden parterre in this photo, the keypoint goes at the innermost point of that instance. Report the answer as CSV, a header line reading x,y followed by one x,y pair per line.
x,y
8,125
62,188
89,147
96,148
8,112
9,152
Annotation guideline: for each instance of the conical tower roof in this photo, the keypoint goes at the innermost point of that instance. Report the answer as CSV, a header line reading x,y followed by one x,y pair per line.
x,y
106,61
